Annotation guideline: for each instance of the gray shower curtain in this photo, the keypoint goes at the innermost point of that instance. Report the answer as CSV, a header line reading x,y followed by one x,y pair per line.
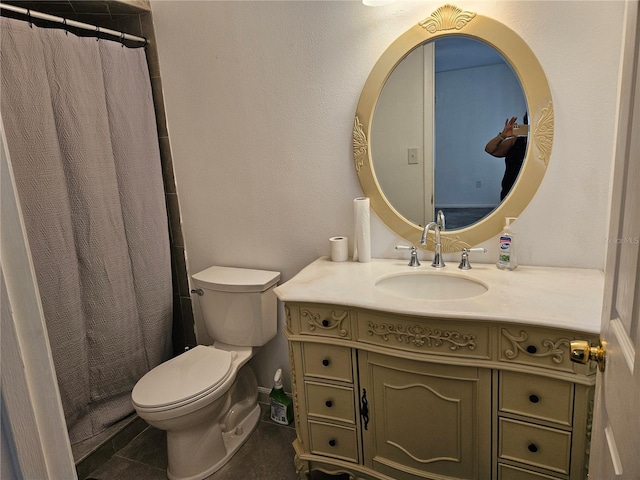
x,y
80,127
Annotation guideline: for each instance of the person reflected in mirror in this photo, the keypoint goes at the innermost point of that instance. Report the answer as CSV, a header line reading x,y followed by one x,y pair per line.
x,y
512,148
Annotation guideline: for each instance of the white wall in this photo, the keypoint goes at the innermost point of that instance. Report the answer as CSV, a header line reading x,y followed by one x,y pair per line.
x,y
399,124
260,99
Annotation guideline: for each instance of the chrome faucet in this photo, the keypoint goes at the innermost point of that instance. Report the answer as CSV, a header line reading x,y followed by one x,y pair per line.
x,y
438,261
413,262
464,261
440,219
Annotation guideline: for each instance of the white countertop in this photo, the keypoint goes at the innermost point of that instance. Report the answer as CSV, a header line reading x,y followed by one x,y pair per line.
x,y
568,298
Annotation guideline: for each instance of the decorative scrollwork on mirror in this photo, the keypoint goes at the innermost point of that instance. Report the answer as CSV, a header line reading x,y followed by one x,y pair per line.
x,y
444,22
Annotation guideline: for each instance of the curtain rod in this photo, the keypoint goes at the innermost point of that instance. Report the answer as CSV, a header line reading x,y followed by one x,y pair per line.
x,y
72,23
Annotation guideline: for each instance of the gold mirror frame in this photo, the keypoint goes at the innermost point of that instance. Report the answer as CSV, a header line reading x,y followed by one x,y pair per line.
x,y
446,21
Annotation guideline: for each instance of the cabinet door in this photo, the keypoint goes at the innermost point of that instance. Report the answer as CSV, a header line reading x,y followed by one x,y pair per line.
x,y
426,420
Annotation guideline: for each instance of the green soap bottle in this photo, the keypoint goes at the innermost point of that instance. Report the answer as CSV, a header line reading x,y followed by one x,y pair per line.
x,y
281,407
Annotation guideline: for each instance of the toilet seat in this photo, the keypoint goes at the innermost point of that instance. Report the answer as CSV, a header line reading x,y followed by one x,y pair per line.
x,y
183,379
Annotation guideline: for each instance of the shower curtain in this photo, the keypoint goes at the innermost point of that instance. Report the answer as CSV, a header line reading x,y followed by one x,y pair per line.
x,y
81,135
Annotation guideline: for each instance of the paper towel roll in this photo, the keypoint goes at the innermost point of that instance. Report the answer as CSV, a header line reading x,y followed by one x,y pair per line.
x,y
339,248
362,239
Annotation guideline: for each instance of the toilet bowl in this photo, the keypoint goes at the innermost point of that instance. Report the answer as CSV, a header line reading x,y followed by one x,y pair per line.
x,y
206,398
206,401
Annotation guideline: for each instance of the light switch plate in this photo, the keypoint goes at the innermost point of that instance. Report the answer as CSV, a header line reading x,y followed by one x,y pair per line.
x,y
412,155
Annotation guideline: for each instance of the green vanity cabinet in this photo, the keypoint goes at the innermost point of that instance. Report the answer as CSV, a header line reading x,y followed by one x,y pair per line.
x,y
388,396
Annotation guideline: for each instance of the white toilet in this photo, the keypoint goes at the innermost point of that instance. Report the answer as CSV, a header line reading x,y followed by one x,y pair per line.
x,y
206,398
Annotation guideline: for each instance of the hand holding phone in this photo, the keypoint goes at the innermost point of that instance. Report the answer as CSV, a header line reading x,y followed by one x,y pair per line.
x,y
520,130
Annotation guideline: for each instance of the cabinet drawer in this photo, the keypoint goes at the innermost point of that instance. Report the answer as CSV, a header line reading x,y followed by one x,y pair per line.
x,y
434,336
538,397
535,445
540,348
509,472
327,361
333,440
330,402
325,321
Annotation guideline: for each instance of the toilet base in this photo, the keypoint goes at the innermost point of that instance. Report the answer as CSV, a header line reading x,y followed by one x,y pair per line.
x,y
232,440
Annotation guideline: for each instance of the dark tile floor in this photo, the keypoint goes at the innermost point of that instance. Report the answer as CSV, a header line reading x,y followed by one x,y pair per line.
x,y
267,455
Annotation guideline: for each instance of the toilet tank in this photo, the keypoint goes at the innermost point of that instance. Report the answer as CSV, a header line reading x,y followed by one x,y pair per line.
x,y
238,304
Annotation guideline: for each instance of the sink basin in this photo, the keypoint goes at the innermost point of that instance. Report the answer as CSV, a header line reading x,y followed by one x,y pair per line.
x,y
430,286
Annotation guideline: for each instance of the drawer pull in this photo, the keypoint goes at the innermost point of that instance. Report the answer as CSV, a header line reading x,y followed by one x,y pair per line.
x,y
534,398
532,448
326,362
332,443
364,409
532,349
329,403
325,323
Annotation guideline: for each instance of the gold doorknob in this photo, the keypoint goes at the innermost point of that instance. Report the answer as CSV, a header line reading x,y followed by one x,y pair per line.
x,y
582,352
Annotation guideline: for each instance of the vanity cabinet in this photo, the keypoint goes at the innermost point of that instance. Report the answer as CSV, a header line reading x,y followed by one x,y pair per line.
x,y
390,396
426,420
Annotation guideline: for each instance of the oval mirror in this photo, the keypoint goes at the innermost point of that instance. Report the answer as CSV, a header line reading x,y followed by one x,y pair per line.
x,y
433,100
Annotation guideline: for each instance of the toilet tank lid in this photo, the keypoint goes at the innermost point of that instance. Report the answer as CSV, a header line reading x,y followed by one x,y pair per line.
x,y
234,279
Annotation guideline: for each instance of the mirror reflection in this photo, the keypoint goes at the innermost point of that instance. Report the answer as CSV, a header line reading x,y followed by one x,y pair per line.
x,y
439,138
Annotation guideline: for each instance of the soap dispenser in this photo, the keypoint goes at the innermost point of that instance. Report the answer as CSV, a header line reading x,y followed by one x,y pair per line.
x,y
507,254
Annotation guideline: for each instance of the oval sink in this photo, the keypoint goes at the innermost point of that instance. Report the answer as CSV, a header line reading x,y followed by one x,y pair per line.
x,y
430,286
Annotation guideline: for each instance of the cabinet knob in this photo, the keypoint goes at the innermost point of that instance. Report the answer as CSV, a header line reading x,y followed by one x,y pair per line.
x,y
332,443
532,349
326,362
534,398
533,448
329,403
325,323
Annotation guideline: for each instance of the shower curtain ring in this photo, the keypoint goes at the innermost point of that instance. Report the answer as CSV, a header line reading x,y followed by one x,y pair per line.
x,y
29,15
66,32
97,34
122,39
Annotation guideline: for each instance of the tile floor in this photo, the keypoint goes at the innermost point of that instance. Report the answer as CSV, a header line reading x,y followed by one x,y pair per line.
x,y
267,455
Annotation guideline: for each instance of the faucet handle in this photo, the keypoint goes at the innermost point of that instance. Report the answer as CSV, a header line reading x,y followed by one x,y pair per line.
x,y
464,261
413,262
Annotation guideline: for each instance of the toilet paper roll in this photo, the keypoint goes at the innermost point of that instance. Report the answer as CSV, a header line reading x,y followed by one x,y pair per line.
x,y
339,248
362,239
